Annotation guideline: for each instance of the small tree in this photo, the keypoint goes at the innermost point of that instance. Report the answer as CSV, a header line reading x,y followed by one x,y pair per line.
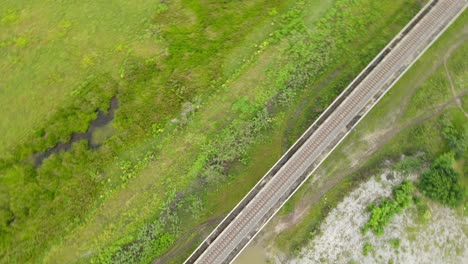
x,y
440,183
382,212
456,135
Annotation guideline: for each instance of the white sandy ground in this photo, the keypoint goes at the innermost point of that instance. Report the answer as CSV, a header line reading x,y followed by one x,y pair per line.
x,y
443,239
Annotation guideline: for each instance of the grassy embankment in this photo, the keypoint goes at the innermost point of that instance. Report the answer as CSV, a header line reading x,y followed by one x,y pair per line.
x,y
315,98
129,201
408,120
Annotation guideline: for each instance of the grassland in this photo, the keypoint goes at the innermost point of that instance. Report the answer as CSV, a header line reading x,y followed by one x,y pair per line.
x,y
407,121
211,94
48,51
144,59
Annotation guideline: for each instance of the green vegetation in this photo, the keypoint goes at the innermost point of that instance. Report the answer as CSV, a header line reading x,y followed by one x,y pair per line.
x,y
408,165
198,84
394,129
423,211
209,95
367,248
381,212
293,239
441,182
150,65
455,133
395,243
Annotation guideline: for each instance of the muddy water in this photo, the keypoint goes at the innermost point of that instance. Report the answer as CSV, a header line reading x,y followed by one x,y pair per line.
x,y
252,254
101,120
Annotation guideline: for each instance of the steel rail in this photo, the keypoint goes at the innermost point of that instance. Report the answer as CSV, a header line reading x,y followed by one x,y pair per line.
x,y
257,208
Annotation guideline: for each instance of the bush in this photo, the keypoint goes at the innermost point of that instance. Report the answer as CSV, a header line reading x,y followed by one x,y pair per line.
x,y
424,213
456,135
367,248
440,182
382,212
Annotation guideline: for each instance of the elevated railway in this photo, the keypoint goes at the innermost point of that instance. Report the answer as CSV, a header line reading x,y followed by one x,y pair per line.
x,y
310,150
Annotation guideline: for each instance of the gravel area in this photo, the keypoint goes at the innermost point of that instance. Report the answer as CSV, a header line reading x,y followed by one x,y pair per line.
x,y
442,239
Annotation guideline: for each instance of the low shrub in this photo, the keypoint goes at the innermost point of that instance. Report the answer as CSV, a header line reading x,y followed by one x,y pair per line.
x,y
383,211
367,248
441,182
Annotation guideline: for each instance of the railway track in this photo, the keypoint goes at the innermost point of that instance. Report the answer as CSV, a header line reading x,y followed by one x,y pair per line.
x,y
223,245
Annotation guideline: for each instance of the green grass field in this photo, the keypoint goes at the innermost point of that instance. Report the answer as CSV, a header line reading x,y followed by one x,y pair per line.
x,y
211,93
65,60
49,48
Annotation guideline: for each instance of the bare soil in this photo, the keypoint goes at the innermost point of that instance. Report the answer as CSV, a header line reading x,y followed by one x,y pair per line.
x,y
442,239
